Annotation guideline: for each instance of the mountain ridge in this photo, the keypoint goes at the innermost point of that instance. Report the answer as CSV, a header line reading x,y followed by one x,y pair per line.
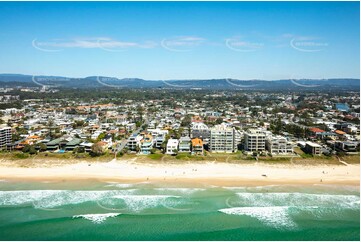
x,y
215,83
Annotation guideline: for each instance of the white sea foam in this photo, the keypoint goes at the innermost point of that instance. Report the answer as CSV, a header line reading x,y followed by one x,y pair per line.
x,y
181,191
120,185
97,218
276,217
55,198
296,200
138,203
254,189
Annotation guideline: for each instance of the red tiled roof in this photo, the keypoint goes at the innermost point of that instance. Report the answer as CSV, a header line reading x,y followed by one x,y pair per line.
x,y
316,130
197,142
339,132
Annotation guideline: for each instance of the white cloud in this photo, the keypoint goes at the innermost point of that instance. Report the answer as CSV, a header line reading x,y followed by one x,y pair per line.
x,y
184,41
93,42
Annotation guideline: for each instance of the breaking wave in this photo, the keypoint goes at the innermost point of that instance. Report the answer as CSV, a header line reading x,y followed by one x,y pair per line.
x,y
97,218
296,200
138,203
277,217
181,191
120,185
55,198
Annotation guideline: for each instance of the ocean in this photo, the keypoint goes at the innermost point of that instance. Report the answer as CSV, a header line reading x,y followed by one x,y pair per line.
x,y
92,210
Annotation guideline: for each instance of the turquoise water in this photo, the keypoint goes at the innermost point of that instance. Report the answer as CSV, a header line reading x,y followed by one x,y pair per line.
x,y
155,211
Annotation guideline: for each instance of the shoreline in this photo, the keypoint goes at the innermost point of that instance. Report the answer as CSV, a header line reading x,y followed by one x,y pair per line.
x,y
206,173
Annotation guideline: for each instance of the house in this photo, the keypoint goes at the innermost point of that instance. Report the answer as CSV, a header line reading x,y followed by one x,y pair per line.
x,y
146,144
340,134
197,146
72,144
96,134
327,135
158,141
104,145
316,131
133,142
59,143
313,148
184,144
131,126
347,146
32,139
21,144
172,146
53,144
348,128
87,146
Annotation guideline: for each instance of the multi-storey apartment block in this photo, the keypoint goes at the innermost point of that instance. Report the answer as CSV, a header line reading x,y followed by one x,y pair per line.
x,y
184,144
222,139
255,140
279,145
200,130
5,137
313,148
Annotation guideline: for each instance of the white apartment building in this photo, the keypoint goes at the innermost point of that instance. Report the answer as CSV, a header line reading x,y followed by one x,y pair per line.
x,y
172,146
185,144
278,145
255,140
5,136
313,148
199,130
222,139
134,141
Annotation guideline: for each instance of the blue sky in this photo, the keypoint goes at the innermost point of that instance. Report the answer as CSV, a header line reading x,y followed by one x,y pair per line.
x,y
181,40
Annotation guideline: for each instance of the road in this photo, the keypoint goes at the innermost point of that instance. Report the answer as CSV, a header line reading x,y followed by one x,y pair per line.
x,y
121,146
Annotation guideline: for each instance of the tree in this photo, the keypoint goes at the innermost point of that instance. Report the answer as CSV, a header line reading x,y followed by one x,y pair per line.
x,y
186,122
97,149
101,136
219,121
26,149
32,150
138,124
42,147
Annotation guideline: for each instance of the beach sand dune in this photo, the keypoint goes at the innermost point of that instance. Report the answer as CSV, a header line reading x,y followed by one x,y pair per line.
x,y
211,173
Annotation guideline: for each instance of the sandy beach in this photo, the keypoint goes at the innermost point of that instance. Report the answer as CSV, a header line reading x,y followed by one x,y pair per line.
x,y
210,173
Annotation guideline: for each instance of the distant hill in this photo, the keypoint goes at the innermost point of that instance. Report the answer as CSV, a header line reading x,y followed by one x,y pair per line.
x,y
11,80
